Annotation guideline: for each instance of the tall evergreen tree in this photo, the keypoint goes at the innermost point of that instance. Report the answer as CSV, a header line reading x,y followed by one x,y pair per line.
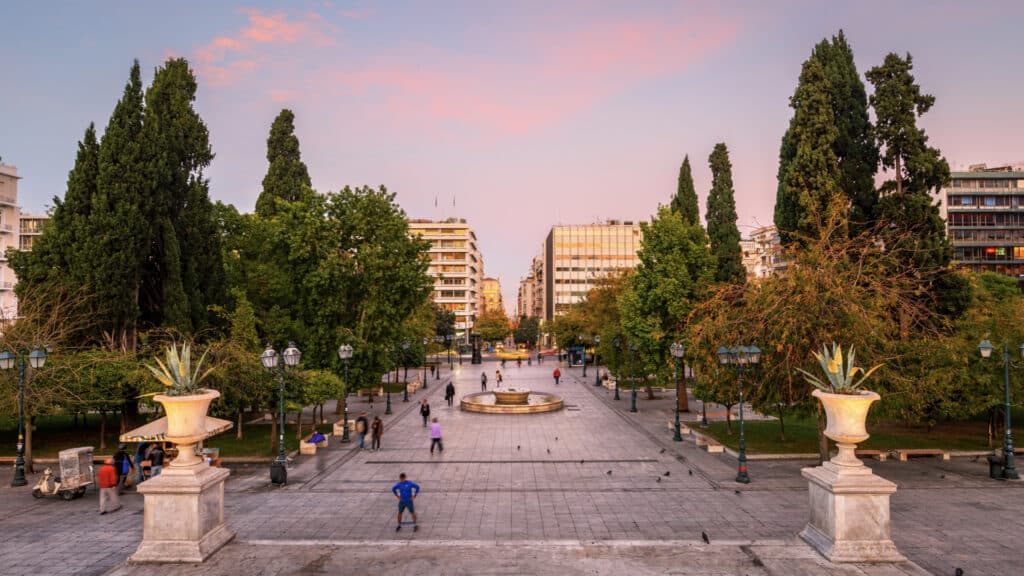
x,y
721,214
685,200
853,147
117,224
287,178
183,273
915,227
812,178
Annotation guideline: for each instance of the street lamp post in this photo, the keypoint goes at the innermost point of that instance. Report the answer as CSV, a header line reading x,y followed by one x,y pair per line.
x,y
678,350
345,354
405,361
425,341
597,371
387,408
583,354
36,359
1009,469
740,359
440,341
632,374
615,345
271,359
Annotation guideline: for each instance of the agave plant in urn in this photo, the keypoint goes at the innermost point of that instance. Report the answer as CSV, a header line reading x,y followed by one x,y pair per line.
x,y
845,400
184,401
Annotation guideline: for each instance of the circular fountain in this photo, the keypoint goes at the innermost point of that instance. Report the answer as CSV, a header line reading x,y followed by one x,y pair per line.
x,y
511,401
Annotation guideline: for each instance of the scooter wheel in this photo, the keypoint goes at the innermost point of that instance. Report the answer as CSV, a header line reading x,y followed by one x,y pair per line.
x,y
37,493
67,495
79,492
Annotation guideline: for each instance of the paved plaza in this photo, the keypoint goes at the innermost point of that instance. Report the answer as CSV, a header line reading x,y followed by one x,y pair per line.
x,y
591,489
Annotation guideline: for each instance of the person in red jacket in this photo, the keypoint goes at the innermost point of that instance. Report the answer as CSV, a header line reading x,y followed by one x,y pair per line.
x,y
557,374
107,478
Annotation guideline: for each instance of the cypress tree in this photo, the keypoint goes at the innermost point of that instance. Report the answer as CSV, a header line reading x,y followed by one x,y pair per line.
x,y
914,226
721,214
812,178
852,146
685,200
287,178
118,232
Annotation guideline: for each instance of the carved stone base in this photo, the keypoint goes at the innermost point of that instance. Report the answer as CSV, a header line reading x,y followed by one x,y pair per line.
x,y
183,519
850,513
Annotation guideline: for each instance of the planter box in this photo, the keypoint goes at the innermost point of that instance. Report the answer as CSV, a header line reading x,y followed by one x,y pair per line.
x,y
307,448
323,443
339,428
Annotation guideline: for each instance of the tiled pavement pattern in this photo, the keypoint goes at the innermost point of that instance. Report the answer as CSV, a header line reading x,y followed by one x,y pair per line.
x,y
497,483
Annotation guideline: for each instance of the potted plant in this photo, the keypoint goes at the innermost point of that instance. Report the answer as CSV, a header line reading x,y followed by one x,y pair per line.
x,y
182,398
845,401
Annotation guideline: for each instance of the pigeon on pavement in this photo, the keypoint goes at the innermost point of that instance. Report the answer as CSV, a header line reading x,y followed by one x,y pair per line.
x,y
704,536
667,473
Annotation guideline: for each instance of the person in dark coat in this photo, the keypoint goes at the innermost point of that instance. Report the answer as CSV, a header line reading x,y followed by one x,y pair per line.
x,y
425,411
449,393
122,465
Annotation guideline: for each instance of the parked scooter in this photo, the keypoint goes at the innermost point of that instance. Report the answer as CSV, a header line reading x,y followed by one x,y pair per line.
x,y
76,468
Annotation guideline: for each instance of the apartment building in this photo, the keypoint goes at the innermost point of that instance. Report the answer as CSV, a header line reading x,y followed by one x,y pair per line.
x,y
457,268
985,218
575,257
492,298
30,227
9,214
762,253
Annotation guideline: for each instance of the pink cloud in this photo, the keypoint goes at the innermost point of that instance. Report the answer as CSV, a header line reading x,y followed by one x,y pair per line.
x,y
226,57
559,75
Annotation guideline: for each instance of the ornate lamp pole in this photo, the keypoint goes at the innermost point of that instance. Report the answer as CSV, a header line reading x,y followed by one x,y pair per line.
x,y
345,354
387,351
677,350
632,374
36,358
405,361
271,359
425,341
439,340
597,370
1009,468
740,359
615,345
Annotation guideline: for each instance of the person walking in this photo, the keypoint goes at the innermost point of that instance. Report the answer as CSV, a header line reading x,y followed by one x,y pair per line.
x,y
519,362
497,376
156,461
362,427
376,431
540,358
123,465
406,491
140,455
483,380
435,436
108,479
425,411
449,392
557,374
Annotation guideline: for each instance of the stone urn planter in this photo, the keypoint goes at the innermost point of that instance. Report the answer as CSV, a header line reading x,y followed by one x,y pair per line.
x,y
846,415
186,422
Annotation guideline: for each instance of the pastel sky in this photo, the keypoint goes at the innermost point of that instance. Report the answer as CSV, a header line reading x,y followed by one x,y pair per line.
x,y
514,115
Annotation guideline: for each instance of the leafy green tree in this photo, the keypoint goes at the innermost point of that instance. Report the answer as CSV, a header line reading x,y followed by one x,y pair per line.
x,y
674,274
852,144
492,325
913,226
685,200
527,331
721,214
287,178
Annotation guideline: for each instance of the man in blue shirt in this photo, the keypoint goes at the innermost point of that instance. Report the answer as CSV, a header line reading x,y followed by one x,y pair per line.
x,y
406,492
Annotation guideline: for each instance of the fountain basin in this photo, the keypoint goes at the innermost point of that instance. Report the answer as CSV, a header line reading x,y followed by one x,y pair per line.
x,y
533,403
511,396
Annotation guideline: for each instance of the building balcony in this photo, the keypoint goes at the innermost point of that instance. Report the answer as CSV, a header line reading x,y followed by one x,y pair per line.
x,y
979,208
5,286
7,201
6,229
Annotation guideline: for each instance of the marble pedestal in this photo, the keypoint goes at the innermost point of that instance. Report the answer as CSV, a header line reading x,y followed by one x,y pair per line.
x,y
183,519
850,513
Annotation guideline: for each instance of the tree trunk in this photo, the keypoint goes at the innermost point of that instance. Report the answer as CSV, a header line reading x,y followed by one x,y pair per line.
x,y
298,425
683,403
339,407
991,426
103,429
650,392
822,439
899,176
782,425
238,433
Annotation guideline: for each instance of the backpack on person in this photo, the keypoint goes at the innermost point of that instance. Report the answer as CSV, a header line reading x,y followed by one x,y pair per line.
x,y
361,426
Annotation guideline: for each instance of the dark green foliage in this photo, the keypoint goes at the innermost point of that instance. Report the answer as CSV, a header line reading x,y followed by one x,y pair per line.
x,y
685,200
444,322
812,178
912,225
856,156
287,178
527,331
721,214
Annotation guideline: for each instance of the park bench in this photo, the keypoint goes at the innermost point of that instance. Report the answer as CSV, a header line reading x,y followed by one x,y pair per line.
x,y
903,453
371,392
683,428
880,455
713,446
339,428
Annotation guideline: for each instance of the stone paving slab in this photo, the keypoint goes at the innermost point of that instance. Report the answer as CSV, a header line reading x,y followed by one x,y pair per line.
x,y
434,557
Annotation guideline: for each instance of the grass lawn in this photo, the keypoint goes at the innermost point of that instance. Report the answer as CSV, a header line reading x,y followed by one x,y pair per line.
x,y
55,433
802,436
